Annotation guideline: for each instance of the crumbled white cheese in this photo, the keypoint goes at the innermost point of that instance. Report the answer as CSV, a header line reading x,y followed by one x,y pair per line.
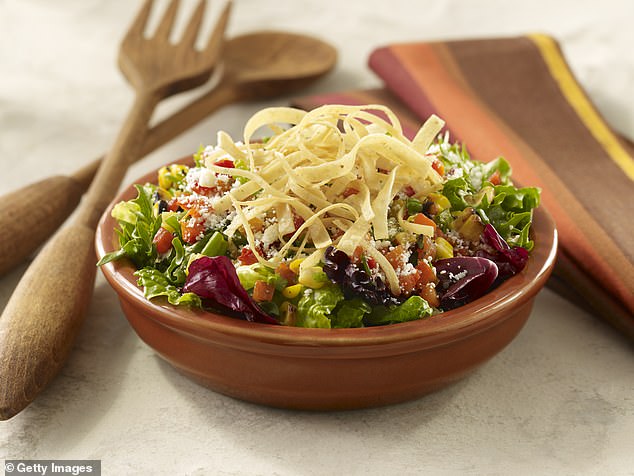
x,y
270,235
459,276
381,245
475,174
407,270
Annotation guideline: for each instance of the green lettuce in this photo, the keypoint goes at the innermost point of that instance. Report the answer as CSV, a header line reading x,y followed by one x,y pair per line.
x,y
508,208
249,274
137,227
156,284
350,313
415,307
314,308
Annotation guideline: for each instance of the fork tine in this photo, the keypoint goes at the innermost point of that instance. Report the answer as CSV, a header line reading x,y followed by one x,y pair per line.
x,y
191,32
167,22
138,25
214,45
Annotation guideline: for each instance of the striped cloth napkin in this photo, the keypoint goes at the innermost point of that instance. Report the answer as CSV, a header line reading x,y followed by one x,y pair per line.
x,y
517,97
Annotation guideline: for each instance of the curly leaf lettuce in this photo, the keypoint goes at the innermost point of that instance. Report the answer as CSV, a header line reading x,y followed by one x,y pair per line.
x,y
508,208
137,227
155,284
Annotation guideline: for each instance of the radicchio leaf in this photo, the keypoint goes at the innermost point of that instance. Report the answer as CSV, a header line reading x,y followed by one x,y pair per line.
x,y
463,279
510,261
355,281
215,278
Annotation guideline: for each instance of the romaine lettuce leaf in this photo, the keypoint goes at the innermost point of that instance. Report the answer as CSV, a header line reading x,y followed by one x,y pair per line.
x,y
415,307
350,313
315,307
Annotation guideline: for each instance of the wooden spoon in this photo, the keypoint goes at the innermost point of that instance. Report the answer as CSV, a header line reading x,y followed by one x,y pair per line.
x,y
42,318
256,66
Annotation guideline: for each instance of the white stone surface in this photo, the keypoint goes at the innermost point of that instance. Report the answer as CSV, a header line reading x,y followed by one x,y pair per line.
x,y
558,400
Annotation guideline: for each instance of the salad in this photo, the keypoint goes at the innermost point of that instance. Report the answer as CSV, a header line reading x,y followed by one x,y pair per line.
x,y
334,219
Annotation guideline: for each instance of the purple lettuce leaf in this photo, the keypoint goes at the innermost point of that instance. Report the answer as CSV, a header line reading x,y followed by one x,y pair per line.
x,y
463,279
510,261
215,278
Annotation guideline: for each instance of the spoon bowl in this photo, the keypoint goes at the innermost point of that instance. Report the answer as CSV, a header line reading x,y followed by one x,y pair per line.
x,y
274,62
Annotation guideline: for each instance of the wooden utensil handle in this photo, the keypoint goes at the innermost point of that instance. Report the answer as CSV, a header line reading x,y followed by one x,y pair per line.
x,y
126,149
41,320
43,316
33,213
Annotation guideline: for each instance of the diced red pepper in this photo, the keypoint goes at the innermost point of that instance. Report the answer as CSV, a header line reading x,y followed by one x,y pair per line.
x,y
427,250
263,292
191,230
438,166
428,293
247,256
495,178
163,240
188,202
286,273
422,219
396,257
200,190
225,163
408,282
426,275
173,205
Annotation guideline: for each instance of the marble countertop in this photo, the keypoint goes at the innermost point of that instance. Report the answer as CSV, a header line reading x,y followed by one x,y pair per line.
x,y
558,400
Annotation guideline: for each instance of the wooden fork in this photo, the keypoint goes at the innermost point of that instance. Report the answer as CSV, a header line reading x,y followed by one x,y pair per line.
x,y
43,316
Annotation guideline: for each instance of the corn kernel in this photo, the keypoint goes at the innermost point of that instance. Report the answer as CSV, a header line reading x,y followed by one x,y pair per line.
x,y
443,248
166,174
163,179
293,291
440,200
295,265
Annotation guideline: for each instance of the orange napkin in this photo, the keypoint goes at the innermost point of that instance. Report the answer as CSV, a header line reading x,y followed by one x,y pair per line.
x,y
516,97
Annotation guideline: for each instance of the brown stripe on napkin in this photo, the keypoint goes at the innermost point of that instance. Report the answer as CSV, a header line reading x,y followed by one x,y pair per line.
x,y
536,110
516,97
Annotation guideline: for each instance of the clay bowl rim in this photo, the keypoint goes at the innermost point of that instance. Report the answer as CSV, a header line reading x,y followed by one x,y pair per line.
x,y
472,318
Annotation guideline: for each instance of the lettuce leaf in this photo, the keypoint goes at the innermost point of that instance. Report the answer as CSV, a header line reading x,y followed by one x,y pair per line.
x,y
350,314
155,284
137,227
508,208
314,308
249,274
415,307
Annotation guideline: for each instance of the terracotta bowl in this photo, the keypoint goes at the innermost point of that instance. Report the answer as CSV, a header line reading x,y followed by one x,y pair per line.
x,y
330,369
